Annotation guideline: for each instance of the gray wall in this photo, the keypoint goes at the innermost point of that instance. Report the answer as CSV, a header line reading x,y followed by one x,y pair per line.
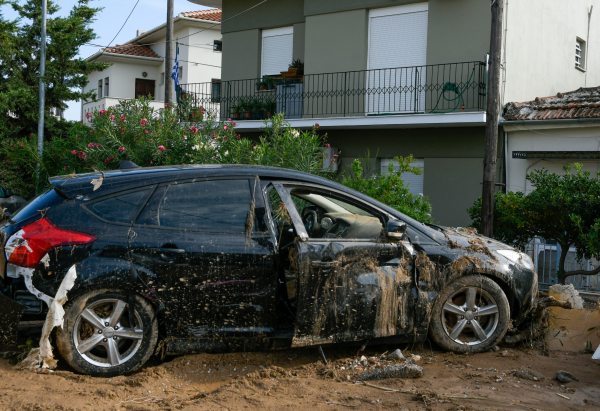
x,y
299,39
274,13
336,42
242,59
458,30
453,162
312,7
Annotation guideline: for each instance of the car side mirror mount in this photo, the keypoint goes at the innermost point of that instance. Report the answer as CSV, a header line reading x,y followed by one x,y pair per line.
x,y
396,229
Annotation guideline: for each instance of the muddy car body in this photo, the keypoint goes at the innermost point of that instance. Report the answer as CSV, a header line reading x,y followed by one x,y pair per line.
x,y
225,258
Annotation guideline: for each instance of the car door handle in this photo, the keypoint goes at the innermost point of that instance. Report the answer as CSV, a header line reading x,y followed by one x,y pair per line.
x,y
169,254
324,264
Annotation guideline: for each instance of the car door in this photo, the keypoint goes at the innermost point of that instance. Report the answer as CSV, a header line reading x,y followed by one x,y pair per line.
x,y
208,246
353,283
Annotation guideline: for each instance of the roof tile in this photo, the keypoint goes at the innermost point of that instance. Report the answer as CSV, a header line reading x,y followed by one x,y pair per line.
x,y
210,15
132,49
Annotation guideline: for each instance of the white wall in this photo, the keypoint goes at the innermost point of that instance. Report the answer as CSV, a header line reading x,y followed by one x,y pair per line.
x,y
122,78
540,48
525,138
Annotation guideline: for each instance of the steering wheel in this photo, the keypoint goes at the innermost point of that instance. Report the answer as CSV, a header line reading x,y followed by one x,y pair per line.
x,y
311,222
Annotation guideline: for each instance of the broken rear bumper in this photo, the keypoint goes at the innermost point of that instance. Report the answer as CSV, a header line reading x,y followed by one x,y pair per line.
x,y
10,316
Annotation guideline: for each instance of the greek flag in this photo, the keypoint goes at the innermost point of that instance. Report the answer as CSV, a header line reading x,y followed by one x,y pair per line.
x,y
175,74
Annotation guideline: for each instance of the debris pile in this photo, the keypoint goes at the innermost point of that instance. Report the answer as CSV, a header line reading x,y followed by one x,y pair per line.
x,y
567,293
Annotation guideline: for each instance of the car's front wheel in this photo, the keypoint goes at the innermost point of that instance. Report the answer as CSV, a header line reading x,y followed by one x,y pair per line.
x,y
470,315
97,337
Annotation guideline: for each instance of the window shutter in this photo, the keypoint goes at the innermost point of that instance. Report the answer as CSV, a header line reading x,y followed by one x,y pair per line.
x,y
413,181
277,49
397,39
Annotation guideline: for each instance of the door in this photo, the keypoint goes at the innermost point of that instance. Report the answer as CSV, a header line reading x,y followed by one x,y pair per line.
x,y
397,59
351,281
144,88
207,244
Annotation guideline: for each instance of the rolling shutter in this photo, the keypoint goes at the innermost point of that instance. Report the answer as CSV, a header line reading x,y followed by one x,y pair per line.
x,y
277,49
397,56
413,181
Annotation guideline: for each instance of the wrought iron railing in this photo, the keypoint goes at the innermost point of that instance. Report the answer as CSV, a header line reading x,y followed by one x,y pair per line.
x,y
440,88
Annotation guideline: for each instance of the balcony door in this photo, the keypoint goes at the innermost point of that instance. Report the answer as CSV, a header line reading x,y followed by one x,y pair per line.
x,y
397,59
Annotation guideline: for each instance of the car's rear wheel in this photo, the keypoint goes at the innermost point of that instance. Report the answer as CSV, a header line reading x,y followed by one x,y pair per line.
x,y
470,315
97,337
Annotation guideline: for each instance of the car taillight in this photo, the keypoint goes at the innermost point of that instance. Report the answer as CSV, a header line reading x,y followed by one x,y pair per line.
x,y
31,243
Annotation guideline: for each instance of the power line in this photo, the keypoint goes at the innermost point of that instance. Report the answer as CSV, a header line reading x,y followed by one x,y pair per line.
x,y
200,31
126,20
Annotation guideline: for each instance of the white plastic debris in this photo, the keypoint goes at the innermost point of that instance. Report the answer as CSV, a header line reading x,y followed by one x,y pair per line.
x,y
42,357
596,355
396,354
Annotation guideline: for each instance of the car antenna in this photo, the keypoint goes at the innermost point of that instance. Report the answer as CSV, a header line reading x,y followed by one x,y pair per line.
x,y
126,165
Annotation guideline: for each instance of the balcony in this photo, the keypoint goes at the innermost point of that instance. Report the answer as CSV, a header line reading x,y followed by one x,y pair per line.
x,y
106,102
383,96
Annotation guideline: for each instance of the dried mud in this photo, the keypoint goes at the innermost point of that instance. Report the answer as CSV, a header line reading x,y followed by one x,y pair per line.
x,y
296,379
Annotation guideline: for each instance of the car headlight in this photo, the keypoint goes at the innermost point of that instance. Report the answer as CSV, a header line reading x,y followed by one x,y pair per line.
x,y
517,258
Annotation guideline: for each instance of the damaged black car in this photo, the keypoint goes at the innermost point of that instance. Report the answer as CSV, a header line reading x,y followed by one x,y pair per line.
x,y
188,259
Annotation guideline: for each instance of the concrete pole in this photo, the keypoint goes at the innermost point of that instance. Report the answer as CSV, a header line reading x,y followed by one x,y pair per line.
x,y
493,112
42,94
169,54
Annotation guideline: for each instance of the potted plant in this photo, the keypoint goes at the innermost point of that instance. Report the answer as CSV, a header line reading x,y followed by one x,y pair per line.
x,y
237,110
296,68
270,82
255,107
246,108
261,85
271,107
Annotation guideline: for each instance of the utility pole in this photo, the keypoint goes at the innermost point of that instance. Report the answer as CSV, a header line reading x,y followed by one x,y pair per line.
x,y
491,127
169,54
42,95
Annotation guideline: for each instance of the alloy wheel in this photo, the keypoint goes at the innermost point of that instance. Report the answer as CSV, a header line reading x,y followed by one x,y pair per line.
x,y
103,335
470,316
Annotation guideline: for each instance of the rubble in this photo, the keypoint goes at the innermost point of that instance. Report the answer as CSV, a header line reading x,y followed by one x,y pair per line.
x,y
396,354
564,376
394,371
567,293
529,374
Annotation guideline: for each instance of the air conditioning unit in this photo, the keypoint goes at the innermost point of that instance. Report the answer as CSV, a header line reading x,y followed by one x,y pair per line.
x,y
329,153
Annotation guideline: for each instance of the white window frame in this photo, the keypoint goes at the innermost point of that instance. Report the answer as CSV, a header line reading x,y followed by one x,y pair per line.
x,y
100,88
580,53
281,31
106,87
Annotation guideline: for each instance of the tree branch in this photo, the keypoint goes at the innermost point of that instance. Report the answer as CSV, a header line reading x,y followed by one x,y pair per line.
x,y
582,272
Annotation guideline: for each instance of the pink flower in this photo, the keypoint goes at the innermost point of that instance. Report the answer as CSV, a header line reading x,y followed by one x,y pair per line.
x,y
194,129
184,137
77,136
91,145
88,115
122,130
151,162
225,127
112,117
82,155
92,131
65,168
74,152
332,160
102,112
335,155
328,145
161,148
146,131
238,136
121,149
123,117
143,122
53,154
317,125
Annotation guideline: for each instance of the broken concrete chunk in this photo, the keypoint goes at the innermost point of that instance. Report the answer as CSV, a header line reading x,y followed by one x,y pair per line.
x,y
393,371
567,293
415,358
529,374
396,354
564,376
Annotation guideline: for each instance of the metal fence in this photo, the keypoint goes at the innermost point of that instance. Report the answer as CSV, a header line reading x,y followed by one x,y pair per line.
x,y
546,255
440,88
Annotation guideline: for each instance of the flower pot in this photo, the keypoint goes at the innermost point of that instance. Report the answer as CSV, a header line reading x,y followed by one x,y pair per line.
x,y
246,114
270,86
236,115
293,73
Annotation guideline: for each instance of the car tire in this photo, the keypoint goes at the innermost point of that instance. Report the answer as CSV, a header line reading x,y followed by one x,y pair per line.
x,y
97,339
470,315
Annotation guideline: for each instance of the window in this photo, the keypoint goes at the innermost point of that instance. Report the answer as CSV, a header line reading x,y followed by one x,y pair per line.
x,y
106,87
99,91
162,79
277,49
120,209
329,216
216,90
580,53
413,181
219,205
144,88
218,45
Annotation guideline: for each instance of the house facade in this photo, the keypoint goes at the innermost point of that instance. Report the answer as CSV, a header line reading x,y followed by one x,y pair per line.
x,y
399,77
137,68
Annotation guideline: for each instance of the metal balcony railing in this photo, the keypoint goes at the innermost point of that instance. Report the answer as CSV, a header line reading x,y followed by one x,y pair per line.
x,y
440,88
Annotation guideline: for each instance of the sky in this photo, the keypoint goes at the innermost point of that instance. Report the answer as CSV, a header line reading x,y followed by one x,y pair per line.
x,y
148,14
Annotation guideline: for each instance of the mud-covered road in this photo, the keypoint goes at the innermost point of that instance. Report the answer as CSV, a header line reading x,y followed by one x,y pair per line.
x,y
296,379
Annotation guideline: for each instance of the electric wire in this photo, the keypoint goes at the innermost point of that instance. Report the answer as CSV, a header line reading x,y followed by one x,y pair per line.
x,y
126,20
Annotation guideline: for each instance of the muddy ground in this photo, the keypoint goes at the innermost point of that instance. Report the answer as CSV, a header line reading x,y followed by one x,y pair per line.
x,y
296,379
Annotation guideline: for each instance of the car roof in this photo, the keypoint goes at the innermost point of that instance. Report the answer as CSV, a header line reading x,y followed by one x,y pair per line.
x,y
76,185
